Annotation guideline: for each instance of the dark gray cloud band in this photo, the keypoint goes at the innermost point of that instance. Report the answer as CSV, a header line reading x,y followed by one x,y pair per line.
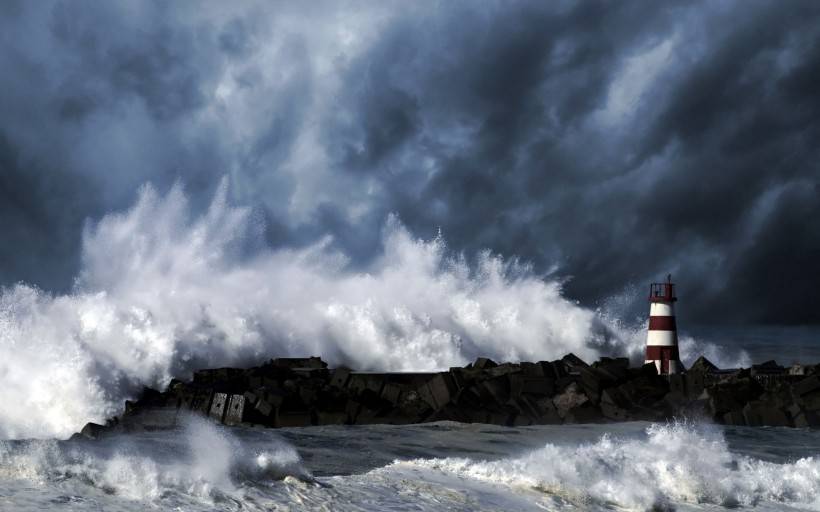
x,y
611,141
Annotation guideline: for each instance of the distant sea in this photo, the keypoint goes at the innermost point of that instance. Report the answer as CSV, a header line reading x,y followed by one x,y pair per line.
x,y
785,344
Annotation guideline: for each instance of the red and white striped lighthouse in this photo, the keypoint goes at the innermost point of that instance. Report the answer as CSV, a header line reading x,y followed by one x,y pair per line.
x,y
662,337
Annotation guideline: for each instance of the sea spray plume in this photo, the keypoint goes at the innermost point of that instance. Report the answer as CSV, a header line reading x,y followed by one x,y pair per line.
x,y
162,293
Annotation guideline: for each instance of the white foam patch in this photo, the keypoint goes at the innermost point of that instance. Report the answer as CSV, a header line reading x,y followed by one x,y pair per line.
x,y
675,463
162,293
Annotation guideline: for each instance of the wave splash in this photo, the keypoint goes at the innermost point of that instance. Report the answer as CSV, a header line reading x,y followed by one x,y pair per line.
x,y
162,292
673,464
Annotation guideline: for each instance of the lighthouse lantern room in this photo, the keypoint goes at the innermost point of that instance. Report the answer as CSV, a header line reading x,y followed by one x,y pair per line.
x,y
662,336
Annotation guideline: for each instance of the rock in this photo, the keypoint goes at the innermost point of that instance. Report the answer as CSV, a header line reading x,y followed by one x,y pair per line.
x,y
810,401
735,417
302,391
531,384
340,377
392,392
554,370
449,412
767,368
614,406
150,418
732,395
758,413
807,385
93,431
311,373
503,369
497,390
677,384
360,381
298,362
439,391
570,398
573,363
307,395
584,413
802,418
483,363
268,402
702,365
695,383
331,418
547,414
293,419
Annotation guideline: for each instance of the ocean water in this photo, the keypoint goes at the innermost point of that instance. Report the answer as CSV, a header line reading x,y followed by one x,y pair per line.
x,y
441,466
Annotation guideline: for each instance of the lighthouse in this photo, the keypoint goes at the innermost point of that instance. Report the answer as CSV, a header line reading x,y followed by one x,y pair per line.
x,y
662,336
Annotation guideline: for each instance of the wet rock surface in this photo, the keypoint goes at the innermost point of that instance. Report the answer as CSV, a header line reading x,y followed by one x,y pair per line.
x,y
294,392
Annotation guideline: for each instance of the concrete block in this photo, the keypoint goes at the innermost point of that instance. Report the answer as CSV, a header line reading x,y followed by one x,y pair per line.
x,y
555,369
758,413
151,418
503,369
573,363
307,395
695,382
585,413
810,401
439,391
483,363
522,421
235,410
532,369
250,398
568,399
499,418
298,362
331,418
339,377
202,401
612,412
217,411
352,410
311,373
677,383
293,419
702,365
735,417
498,390
391,393
93,431
807,385
359,381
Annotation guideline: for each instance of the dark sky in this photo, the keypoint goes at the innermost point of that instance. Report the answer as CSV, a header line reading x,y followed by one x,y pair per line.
x,y
606,142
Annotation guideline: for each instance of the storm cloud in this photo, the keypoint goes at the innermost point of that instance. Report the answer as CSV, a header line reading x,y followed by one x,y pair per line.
x,y
607,143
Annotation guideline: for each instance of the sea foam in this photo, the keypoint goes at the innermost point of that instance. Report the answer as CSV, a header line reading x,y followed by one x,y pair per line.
x,y
674,463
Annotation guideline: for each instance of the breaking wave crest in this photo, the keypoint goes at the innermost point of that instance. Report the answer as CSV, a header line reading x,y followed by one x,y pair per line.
x,y
674,463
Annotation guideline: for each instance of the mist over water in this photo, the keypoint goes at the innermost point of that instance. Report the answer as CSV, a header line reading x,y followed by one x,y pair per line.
x,y
162,293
